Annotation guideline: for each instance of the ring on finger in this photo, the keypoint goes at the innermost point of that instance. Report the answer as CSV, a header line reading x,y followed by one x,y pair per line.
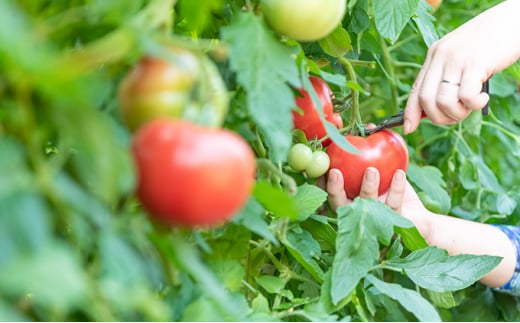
x,y
450,82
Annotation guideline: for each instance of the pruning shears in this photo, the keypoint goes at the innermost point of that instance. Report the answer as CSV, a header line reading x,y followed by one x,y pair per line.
x,y
398,118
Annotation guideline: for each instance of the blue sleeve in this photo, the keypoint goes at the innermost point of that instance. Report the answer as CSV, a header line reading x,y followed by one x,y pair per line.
x,y
513,285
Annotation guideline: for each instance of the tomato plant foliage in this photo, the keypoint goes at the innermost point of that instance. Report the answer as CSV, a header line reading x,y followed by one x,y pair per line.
x,y
78,244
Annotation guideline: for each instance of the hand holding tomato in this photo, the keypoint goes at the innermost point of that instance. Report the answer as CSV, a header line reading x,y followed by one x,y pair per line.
x,y
384,150
191,175
401,196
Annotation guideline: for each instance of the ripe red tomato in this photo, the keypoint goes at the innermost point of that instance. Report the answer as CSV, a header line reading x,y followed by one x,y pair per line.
x,y
191,175
308,120
384,150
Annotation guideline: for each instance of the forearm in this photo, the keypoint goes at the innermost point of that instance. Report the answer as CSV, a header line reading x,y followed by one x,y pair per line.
x,y
460,236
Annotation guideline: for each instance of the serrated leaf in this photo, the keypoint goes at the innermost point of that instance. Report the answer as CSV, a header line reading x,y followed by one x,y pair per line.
x,y
308,199
433,269
426,23
302,246
409,299
269,97
360,225
392,15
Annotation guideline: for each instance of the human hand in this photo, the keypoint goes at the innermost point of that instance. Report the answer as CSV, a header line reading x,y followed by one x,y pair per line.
x,y
449,84
401,196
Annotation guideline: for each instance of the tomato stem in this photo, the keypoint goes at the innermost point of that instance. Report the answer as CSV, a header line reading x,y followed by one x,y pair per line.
x,y
355,118
371,64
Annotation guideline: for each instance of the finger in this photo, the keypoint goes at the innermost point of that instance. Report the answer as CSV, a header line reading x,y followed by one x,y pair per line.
x,y
413,109
337,196
470,92
395,196
448,103
429,91
370,184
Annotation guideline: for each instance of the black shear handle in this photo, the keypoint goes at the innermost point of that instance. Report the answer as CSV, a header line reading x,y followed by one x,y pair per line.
x,y
485,88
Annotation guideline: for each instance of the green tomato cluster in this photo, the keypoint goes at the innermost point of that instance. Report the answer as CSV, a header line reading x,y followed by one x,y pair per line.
x,y
302,158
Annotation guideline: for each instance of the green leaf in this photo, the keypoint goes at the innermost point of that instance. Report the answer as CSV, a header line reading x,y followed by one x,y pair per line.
x,y
272,284
252,218
442,300
360,225
315,312
426,23
52,277
429,179
16,176
265,68
276,200
187,258
337,43
392,15
326,295
302,246
197,14
433,269
359,20
409,299
308,199
119,261
322,232
228,249
26,226
505,204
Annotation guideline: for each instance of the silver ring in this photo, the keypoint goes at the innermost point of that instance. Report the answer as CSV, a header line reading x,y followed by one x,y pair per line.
x,y
450,82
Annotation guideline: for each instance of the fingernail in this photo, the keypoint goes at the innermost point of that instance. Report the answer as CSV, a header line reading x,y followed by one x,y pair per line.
x,y
333,176
407,126
399,176
370,174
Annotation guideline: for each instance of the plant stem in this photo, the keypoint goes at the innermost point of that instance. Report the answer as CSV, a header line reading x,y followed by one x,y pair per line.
x,y
355,117
388,64
268,166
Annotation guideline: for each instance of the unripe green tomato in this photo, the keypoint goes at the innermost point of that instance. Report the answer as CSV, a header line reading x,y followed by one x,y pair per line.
x,y
319,164
304,20
300,156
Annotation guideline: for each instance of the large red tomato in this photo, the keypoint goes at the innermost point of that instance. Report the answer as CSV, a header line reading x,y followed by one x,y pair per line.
x,y
191,175
384,150
308,120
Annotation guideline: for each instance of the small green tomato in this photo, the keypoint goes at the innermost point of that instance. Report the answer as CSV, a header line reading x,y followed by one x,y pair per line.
x,y
300,156
319,164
